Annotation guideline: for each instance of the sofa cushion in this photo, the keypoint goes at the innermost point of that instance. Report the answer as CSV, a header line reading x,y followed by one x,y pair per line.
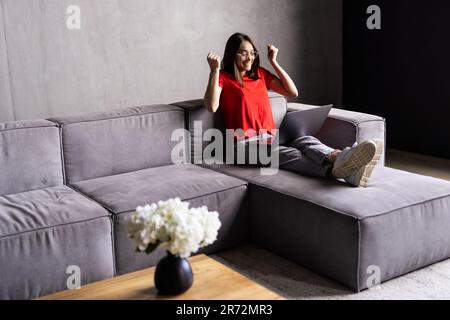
x,y
45,208
397,189
114,142
42,233
30,156
124,192
399,223
121,194
279,107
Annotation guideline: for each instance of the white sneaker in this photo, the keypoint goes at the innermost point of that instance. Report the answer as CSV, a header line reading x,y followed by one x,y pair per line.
x,y
352,159
360,178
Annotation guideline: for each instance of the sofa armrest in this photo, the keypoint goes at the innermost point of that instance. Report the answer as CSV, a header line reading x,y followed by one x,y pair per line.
x,y
343,128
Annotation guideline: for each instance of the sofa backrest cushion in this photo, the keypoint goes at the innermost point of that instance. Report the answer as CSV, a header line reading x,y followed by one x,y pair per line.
x,y
30,156
113,142
279,107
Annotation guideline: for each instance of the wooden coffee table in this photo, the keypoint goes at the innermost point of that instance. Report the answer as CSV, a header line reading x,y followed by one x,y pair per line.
x,y
212,281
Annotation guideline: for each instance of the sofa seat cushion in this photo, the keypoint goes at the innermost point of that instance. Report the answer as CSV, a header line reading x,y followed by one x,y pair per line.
x,y
45,208
124,192
43,233
396,188
398,224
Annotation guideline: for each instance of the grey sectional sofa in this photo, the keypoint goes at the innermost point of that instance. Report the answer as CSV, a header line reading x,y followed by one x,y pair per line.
x,y
67,186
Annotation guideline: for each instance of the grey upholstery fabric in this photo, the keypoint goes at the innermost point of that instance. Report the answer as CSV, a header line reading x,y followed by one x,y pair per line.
x,y
343,128
341,231
30,156
311,235
22,124
412,232
247,173
114,142
42,232
112,114
198,120
122,193
279,107
27,211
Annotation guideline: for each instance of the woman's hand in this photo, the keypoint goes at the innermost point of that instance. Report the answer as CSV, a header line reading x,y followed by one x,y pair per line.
x,y
213,61
213,90
272,53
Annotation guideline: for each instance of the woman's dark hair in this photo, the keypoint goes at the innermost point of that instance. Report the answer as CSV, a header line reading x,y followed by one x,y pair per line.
x,y
229,56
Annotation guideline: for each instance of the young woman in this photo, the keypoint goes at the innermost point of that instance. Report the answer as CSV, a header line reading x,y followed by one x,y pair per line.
x,y
239,86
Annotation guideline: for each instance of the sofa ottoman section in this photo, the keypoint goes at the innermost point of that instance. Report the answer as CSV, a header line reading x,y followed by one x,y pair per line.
x,y
42,233
356,236
411,233
122,193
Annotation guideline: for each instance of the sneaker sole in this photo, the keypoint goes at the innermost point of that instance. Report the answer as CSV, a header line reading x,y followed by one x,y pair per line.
x,y
364,180
361,157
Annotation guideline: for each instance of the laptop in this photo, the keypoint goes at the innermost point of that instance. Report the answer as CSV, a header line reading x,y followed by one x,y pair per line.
x,y
303,123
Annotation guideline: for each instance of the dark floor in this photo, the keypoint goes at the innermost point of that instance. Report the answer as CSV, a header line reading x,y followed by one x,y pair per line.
x,y
417,163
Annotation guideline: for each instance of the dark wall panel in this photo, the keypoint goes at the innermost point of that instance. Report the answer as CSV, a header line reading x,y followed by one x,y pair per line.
x,y
401,71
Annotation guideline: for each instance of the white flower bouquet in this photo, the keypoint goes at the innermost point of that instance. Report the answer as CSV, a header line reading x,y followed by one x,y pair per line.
x,y
173,225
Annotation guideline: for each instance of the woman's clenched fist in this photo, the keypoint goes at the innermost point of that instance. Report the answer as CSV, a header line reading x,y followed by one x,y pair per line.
x,y
272,53
213,61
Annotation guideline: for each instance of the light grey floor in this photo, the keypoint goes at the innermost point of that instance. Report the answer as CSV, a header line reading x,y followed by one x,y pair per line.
x,y
294,282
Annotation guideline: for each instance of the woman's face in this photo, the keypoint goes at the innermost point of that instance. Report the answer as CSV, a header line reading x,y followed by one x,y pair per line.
x,y
245,56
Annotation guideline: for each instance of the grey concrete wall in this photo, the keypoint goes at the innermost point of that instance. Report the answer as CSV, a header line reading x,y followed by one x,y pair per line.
x,y
132,52
6,106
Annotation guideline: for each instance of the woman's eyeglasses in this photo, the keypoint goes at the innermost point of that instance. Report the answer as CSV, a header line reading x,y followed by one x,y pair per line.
x,y
245,54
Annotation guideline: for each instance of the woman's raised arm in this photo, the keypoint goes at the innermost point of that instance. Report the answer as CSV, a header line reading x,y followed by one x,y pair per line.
x,y
213,90
284,85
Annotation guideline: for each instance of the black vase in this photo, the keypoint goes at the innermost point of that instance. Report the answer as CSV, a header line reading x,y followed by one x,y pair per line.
x,y
173,275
